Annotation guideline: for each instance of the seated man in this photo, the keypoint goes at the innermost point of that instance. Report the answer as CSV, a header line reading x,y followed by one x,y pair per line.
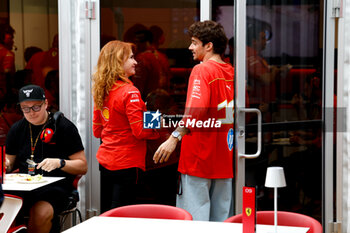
x,y
63,156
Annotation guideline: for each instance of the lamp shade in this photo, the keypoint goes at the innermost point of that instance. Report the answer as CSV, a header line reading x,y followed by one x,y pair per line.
x,y
275,177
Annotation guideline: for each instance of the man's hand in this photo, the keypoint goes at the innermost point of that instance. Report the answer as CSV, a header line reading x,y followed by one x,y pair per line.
x,y
164,151
49,164
10,161
8,165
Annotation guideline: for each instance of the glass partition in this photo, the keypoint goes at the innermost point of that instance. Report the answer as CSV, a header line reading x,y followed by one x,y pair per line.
x,y
159,31
28,55
284,76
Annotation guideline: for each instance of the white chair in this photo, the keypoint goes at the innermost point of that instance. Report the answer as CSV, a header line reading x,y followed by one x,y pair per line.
x,y
9,210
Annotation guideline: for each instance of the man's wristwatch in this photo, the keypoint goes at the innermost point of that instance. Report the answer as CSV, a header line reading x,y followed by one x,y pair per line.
x,y
176,134
63,163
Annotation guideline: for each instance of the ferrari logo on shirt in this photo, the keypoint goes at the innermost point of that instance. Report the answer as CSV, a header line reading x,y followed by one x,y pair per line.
x,y
248,211
105,114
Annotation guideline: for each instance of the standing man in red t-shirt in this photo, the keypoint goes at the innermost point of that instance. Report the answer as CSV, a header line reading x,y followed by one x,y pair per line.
x,y
262,78
7,58
206,159
43,62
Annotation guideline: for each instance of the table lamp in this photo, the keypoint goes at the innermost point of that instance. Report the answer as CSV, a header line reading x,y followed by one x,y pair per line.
x,y
275,179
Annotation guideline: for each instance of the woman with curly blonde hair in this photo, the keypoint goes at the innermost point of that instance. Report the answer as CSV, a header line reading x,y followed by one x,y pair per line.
x,y
118,121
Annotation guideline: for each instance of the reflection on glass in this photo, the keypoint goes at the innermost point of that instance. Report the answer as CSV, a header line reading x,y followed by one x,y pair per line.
x,y
159,31
283,81
28,55
153,70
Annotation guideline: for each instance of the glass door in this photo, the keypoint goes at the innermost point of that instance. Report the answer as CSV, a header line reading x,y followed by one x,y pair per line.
x,y
283,61
284,81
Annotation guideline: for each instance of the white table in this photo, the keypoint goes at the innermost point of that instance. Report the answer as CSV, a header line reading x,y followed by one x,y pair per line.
x,y
13,185
130,225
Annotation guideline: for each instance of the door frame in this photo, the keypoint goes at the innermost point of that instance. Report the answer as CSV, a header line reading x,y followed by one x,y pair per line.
x,y
240,101
328,106
79,48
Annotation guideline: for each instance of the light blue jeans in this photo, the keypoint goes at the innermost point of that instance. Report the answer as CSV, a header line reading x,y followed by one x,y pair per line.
x,y
205,199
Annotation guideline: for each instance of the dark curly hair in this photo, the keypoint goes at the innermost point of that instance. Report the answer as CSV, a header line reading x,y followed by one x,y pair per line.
x,y
5,29
210,31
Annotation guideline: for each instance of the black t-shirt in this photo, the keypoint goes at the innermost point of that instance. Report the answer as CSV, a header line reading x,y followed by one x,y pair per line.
x,y
66,141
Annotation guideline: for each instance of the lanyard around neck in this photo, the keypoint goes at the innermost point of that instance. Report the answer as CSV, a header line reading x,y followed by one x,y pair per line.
x,y
32,146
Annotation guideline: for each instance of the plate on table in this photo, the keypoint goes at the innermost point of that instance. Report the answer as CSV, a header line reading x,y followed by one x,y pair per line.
x,y
15,176
31,179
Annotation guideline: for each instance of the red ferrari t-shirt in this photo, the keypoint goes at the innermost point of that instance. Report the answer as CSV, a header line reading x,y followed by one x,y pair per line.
x,y
7,64
207,151
120,126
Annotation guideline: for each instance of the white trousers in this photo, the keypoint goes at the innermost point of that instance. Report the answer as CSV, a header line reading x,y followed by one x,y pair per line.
x,y
205,199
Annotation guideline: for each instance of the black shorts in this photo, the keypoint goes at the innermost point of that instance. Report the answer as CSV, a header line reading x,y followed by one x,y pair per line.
x,y
57,196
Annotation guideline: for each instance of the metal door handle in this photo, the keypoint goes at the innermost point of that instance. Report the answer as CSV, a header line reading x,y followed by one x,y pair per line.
x,y
241,132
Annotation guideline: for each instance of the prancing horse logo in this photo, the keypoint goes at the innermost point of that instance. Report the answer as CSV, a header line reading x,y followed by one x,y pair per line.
x,y
27,92
248,211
